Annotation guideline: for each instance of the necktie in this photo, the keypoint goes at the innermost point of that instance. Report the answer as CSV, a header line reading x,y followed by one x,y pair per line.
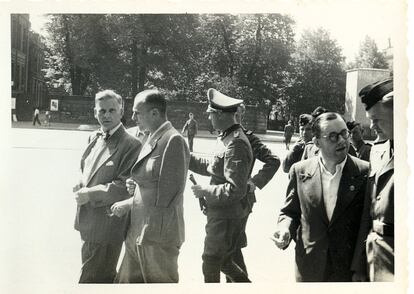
x,y
105,135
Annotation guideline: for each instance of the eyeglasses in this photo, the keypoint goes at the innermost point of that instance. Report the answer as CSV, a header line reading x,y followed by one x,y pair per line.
x,y
334,136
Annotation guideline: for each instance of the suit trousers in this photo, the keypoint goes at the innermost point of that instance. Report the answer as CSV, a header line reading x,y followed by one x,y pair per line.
x,y
221,242
190,139
149,264
99,262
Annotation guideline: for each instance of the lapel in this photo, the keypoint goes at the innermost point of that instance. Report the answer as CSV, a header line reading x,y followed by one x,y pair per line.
x,y
151,143
110,150
311,184
88,149
348,188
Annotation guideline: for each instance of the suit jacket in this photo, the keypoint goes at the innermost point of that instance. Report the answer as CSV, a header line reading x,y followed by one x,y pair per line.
x,y
160,172
107,183
304,214
379,206
294,155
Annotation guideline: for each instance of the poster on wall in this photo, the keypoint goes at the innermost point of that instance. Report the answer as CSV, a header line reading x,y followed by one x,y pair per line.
x,y
54,105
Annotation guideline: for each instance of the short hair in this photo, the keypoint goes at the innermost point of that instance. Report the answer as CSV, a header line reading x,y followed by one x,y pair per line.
x,y
316,125
154,99
108,94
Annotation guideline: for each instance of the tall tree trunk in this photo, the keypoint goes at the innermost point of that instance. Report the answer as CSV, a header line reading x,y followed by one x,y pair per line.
x,y
134,67
143,68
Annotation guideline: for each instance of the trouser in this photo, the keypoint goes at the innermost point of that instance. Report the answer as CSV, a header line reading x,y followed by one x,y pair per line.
x,y
149,264
222,240
238,254
380,257
190,139
99,262
36,119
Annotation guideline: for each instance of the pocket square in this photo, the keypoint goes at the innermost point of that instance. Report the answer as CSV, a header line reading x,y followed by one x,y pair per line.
x,y
109,163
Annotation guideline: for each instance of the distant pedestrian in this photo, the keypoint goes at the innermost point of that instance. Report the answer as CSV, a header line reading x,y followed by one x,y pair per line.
x,y
288,133
36,116
191,126
47,118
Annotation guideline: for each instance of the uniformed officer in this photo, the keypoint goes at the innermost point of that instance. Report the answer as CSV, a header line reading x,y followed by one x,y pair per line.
x,y
264,175
225,196
362,148
375,247
305,136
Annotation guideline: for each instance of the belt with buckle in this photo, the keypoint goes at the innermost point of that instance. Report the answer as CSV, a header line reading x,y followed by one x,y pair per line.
x,y
382,229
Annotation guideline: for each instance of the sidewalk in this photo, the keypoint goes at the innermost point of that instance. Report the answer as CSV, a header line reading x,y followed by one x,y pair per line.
x,y
270,136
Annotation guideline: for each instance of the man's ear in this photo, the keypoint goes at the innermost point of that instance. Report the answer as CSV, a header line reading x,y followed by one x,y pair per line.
x,y
121,111
95,113
316,142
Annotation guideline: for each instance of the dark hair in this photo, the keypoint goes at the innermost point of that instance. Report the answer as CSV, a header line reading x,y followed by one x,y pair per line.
x,y
304,119
155,99
316,126
318,111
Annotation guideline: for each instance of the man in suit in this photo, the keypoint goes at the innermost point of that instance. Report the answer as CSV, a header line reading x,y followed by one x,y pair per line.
x,y
191,126
323,205
271,163
156,229
305,133
375,249
225,197
105,165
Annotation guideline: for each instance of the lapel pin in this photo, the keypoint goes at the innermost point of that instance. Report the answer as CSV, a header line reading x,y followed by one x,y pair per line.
x,y
352,188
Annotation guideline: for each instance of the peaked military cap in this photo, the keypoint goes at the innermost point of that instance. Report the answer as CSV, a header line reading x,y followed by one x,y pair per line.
x,y
218,102
304,119
373,93
351,124
318,111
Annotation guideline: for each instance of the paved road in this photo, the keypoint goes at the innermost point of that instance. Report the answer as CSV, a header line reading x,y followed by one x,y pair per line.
x,y
44,248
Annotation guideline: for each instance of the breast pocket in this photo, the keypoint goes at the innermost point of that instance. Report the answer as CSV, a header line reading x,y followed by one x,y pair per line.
x,y
218,163
153,165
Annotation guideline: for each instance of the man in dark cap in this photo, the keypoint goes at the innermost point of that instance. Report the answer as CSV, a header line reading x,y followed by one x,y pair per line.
x,y
362,148
375,247
225,197
305,136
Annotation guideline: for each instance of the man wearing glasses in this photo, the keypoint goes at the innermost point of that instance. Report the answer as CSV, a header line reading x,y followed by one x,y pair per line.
x,y
323,205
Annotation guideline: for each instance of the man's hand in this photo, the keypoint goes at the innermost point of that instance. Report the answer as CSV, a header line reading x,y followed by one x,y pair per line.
x,y
198,191
130,185
76,188
82,196
281,238
120,208
359,277
251,185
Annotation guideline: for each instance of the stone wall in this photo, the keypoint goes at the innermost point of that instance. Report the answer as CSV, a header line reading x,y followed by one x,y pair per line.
x,y
80,110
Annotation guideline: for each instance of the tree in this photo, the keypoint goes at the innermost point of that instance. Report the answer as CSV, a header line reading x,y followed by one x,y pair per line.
x,y
369,56
319,77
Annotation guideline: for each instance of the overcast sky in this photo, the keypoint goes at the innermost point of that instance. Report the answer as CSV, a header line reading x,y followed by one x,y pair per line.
x,y
347,21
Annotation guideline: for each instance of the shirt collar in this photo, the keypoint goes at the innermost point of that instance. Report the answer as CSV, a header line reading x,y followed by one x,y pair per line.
x,y
113,130
159,128
339,166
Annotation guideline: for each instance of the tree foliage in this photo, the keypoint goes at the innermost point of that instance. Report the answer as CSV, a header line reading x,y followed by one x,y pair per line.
x,y
369,56
248,56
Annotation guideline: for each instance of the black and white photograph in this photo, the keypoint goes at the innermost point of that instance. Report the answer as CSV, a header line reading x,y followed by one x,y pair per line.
x,y
189,144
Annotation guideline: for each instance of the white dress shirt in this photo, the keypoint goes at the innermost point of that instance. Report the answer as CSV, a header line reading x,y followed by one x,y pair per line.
x,y
330,185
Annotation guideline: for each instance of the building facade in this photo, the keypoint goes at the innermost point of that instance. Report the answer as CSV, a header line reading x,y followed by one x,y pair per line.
x,y
27,60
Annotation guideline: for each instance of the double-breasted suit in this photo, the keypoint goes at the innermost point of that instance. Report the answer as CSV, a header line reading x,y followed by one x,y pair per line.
x,y
104,175
375,249
156,229
324,248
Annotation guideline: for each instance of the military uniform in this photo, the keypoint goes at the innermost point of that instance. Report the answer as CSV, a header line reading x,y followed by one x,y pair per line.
x,y
363,152
225,196
191,126
375,246
294,155
263,176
